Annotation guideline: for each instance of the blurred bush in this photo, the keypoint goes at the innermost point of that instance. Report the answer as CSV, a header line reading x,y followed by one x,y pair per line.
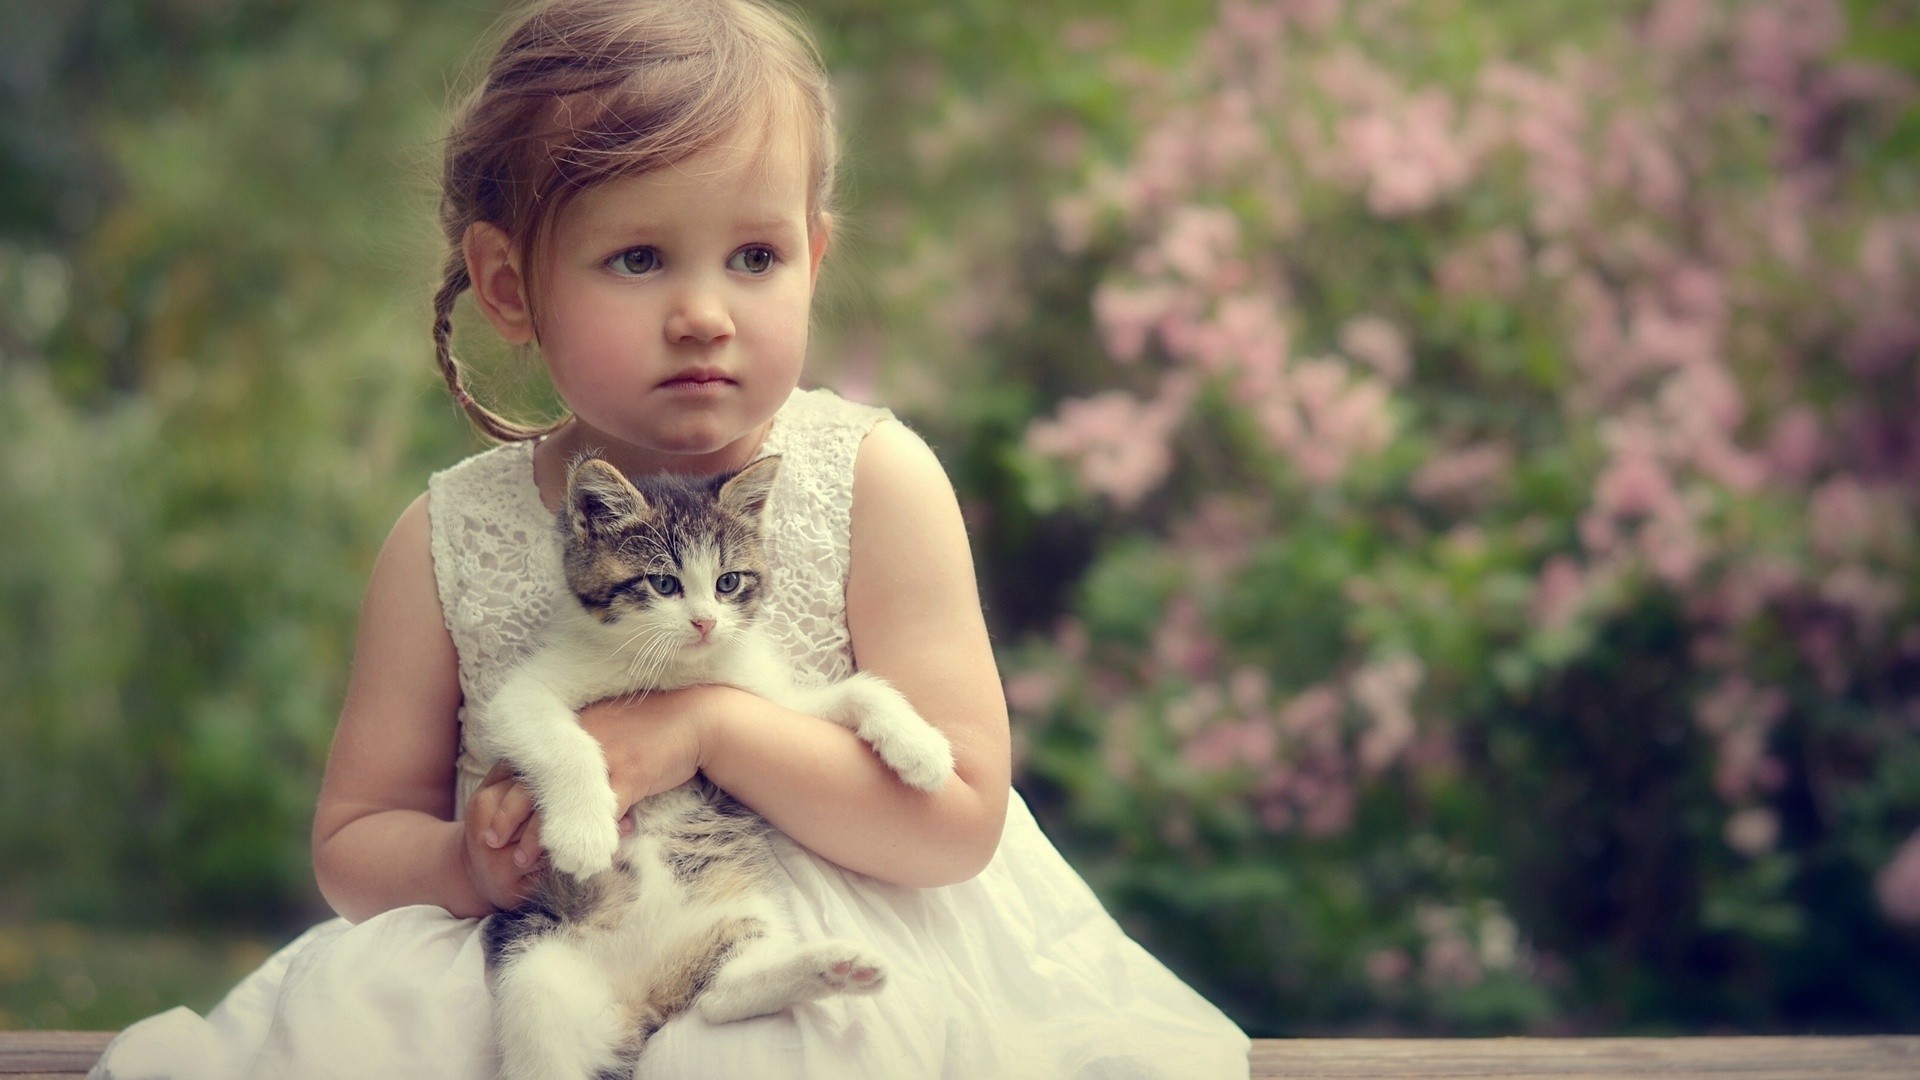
x,y
1503,460
1443,474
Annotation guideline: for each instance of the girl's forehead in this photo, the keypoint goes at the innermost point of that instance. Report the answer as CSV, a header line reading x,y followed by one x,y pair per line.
x,y
750,175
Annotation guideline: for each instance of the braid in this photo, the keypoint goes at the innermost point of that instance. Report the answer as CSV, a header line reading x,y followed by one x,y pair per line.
x,y
490,423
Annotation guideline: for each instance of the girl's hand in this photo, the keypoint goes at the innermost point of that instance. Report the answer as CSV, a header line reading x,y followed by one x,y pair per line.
x,y
502,849
655,741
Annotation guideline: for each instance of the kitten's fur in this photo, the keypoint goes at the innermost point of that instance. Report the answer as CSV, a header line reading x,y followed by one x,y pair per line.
x,y
681,913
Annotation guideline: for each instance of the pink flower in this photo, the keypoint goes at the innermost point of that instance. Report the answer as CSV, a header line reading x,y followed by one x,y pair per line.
x,y
1321,418
1639,161
1753,831
1493,265
1229,744
1677,26
1033,692
1450,962
1182,645
1898,883
1740,718
1469,476
1126,316
1385,689
1386,967
1216,541
1199,240
1378,344
1840,518
1635,485
1121,444
1559,594
1313,718
1796,446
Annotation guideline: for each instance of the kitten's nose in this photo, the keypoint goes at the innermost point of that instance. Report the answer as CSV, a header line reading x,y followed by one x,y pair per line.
x,y
704,625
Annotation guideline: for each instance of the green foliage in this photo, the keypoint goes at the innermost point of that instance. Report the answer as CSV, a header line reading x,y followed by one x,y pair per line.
x,y
216,392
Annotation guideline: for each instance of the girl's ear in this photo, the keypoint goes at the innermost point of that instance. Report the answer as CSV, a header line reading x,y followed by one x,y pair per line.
x,y
818,238
493,265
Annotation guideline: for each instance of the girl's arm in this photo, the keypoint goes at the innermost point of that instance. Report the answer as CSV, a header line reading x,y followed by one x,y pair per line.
x,y
914,613
383,834
913,609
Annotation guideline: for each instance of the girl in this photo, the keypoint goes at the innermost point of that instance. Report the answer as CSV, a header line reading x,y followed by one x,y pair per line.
x,y
640,189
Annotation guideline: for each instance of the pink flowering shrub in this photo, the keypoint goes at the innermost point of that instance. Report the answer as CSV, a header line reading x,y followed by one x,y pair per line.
x,y
1508,448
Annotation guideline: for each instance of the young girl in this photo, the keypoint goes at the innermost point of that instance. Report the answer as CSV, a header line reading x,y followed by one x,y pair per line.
x,y
640,190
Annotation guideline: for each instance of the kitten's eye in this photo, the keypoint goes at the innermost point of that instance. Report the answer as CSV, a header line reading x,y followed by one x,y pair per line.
x,y
728,582
664,584
756,259
635,262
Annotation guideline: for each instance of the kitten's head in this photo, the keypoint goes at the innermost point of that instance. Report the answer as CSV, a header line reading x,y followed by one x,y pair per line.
x,y
675,563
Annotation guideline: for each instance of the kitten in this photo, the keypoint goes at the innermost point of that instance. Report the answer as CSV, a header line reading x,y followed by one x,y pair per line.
x,y
665,582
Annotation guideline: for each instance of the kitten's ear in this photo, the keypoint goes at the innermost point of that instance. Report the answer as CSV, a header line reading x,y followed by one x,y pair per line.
x,y
599,498
746,492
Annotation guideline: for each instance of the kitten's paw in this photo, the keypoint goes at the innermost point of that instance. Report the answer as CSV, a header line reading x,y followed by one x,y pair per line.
x,y
886,721
580,844
840,967
918,752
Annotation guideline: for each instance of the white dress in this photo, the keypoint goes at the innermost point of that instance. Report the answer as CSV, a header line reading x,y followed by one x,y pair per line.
x,y
1016,973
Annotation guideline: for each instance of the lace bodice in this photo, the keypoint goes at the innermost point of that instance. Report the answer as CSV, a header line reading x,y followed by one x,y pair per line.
x,y
496,557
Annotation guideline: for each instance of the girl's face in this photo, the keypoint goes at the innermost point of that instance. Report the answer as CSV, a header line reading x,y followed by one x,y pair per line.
x,y
674,304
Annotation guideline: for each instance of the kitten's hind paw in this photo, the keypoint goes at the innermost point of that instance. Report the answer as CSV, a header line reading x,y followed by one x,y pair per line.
x,y
853,975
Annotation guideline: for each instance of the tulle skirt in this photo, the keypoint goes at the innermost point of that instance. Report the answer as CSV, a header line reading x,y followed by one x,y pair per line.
x,y
1018,973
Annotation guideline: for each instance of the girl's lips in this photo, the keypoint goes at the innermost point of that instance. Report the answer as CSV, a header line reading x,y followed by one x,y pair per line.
x,y
696,379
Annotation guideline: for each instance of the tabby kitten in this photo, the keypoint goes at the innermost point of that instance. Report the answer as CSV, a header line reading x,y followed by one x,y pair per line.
x,y
665,586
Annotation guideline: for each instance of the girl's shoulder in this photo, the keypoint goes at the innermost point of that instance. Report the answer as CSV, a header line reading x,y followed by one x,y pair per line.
x,y
506,469
821,412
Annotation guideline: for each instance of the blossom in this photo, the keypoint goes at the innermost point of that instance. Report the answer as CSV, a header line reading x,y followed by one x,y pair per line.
x,y
1898,883
1378,344
1120,443
1386,967
1559,594
1740,718
1384,689
1032,692
1493,265
1181,644
1753,831
1468,476
1321,418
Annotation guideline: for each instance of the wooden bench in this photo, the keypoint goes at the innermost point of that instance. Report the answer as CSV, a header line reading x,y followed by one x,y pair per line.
x,y
66,1054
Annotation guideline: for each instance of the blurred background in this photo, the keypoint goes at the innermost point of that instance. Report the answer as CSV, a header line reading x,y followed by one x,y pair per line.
x,y
1444,475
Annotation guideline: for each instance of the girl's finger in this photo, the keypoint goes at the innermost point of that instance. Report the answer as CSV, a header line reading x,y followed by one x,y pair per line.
x,y
527,853
511,813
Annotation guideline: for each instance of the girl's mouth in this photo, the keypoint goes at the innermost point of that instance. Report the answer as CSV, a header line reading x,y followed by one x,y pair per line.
x,y
699,378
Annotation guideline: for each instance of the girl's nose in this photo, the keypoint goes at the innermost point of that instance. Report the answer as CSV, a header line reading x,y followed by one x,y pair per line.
x,y
699,318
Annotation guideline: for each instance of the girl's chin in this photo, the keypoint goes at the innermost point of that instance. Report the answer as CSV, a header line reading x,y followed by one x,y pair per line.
x,y
684,445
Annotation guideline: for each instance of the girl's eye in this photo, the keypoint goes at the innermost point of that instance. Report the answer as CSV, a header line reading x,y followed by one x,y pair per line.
x,y
635,261
728,582
664,584
757,259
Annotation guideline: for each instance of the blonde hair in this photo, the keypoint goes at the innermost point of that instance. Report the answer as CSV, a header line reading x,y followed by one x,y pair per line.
x,y
586,91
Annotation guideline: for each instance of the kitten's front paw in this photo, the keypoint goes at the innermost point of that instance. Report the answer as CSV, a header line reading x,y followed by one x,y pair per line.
x,y
580,844
911,747
917,751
